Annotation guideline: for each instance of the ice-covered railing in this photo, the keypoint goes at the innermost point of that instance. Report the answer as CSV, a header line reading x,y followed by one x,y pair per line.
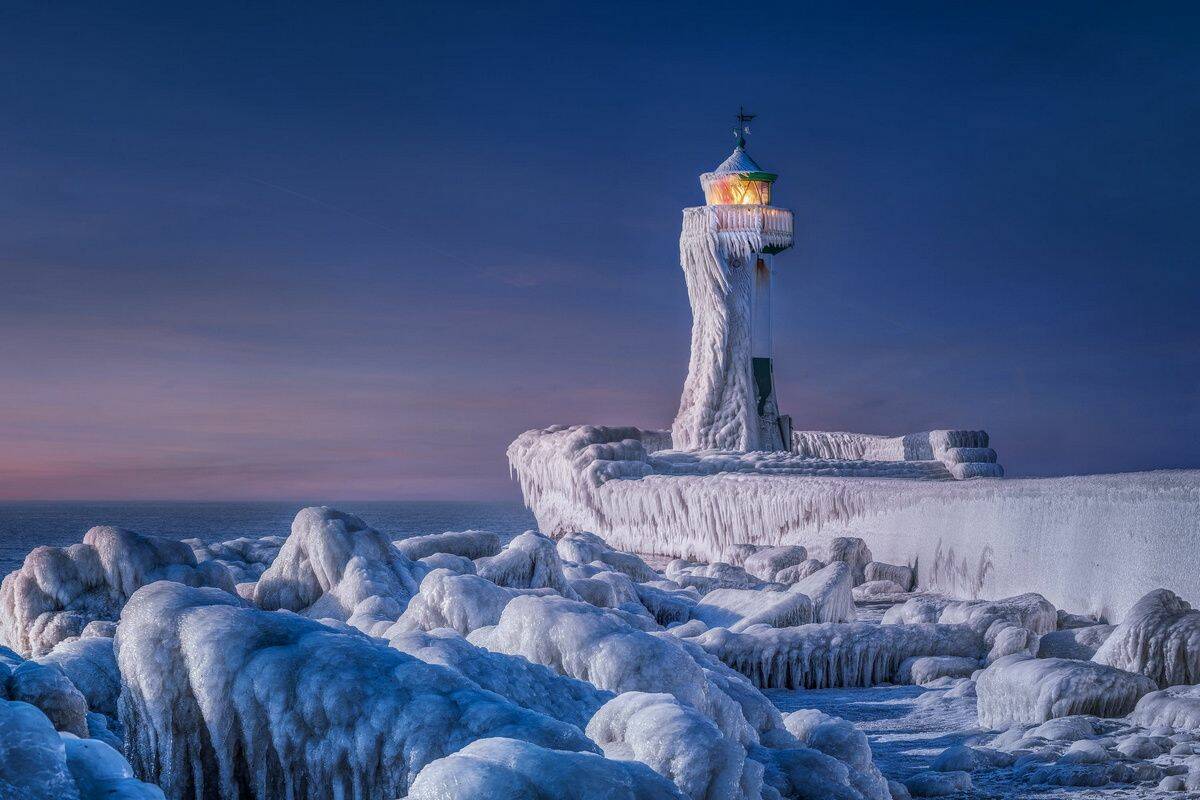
x,y
770,227
964,453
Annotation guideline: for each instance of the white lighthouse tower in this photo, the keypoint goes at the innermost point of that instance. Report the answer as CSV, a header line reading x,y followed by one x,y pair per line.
x,y
727,250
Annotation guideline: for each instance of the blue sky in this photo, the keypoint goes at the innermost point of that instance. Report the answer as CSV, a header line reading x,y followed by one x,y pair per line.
x,y
351,250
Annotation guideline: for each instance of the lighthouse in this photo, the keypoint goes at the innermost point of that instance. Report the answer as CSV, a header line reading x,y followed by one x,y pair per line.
x,y
727,249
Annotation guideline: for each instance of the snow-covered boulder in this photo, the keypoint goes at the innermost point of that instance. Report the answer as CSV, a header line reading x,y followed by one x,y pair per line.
x,y
528,685
738,609
839,739
831,592
1177,707
91,667
904,576
667,606
222,700
49,689
830,655
530,561
939,784
459,602
678,743
853,552
1079,643
764,564
924,670
59,590
467,544
335,566
586,548
459,565
799,572
1159,638
877,590
507,769
1022,689
737,554
1030,611
706,577
246,559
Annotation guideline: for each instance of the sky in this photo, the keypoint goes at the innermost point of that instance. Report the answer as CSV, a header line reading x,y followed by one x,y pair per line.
x,y
288,251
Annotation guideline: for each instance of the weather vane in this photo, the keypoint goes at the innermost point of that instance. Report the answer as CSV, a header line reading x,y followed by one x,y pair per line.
x,y
743,126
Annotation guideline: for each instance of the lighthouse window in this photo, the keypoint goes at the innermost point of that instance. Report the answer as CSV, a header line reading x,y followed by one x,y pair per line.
x,y
735,190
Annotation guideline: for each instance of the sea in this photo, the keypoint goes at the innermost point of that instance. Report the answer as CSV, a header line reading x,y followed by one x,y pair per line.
x,y
24,526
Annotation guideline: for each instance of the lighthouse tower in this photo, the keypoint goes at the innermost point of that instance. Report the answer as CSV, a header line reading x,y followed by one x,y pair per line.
x,y
727,249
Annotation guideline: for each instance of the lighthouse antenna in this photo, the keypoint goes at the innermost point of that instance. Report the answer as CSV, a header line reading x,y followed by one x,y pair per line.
x,y
743,126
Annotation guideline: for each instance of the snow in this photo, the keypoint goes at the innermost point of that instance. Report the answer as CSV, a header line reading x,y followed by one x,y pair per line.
x,y
58,591
738,609
1159,638
830,591
1019,688
225,700
507,769
467,544
333,565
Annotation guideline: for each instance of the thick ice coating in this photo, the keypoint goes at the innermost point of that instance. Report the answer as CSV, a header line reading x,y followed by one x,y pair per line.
x,y
837,738
530,561
765,563
335,566
507,769
468,544
831,591
459,602
1023,689
1177,707
224,700
1159,638
59,590
585,548
738,609
245,558
91,667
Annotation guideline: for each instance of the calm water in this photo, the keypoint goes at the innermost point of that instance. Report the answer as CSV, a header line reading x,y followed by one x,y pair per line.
x,y
24,526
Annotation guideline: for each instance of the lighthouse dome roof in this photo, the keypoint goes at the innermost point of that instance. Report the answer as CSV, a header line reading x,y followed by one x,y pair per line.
x,y
739,161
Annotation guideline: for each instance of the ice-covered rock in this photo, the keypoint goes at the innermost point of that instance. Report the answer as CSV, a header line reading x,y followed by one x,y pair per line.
x,y
221,700
877,589
1159,638
766,562
528,685
939,784
59,590
851,551
1010,640
738,609
903,576
1078,643
530,561
667,606
335,566
246,559
828,655
48,688
1022,689
1030,611
459,565
467,544
678,743
706,577
1177,707
923,670
507,769
799,572
839,739
91,667
737,554
459,602
831,592
586,548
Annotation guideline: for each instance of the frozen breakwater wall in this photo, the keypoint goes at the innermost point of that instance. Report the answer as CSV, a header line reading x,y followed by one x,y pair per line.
x,y
1091,543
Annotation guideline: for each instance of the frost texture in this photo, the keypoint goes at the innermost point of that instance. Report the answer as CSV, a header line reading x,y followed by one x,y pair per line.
x,y
459,602
246,559
1021,689
226,701
335,566
1159,638
468,544
506,769
830,591
1079,643
530,561
738,609
837,738
830,655
91,667
1177,707
586,548
58,591
765,563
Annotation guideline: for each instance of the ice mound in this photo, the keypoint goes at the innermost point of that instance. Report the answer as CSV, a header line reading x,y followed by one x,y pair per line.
x,y
528,685
667,606
924,670
766,562
831,655
799,571
851,551
456,564
222,700
1079,643
586,548
903,576
48,689
530,561
468,544
459,602
831,592
874,590
1159,638
91,667
58,591
1177,708
706,577
245,558
738,609
678,743
1023,689
839,739
507,769
1030,611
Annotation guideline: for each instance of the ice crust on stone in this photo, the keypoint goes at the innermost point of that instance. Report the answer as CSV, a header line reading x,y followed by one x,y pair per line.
x,y
1023,689
529,561
830,590
59,590
225,700
585,548
1159,638
839,739
335,566
800,571
901,575
246,559
851,551
1177,707
923,670
766,562
456,564
461,603
738,609
91,667
508,769
467,544
1080,643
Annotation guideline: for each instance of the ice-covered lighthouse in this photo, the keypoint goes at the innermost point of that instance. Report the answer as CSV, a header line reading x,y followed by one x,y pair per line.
x,y
727,249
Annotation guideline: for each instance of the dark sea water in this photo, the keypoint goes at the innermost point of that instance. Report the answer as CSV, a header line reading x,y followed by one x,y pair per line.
x,y
24,526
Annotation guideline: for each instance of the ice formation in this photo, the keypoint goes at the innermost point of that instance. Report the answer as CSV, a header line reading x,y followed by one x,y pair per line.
x,y
828,655
738,609
800,571
246,559
468,544
1159,638
830,591
459,602
222,700
586,548
923,670
48,689
1019,688
766,563
1177,707
1080,643
530,561
903,576
335,566
507,769
91,667
837,738
58,591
